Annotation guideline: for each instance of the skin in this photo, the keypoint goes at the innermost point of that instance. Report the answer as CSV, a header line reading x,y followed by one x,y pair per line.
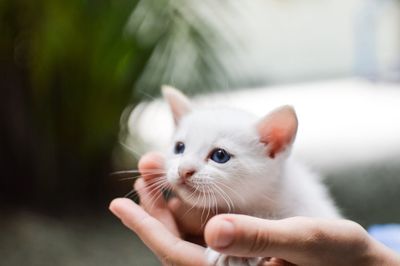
x,y
291,241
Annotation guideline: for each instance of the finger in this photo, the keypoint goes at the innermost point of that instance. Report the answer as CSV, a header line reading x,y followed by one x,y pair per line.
x,y
151,197
169,249
156,206
151,162
149,187
291,239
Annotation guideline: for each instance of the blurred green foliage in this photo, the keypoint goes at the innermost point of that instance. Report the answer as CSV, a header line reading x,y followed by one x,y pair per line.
x,y
69,73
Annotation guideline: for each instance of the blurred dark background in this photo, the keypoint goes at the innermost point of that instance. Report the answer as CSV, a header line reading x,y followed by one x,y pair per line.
x,y
67,75
72,71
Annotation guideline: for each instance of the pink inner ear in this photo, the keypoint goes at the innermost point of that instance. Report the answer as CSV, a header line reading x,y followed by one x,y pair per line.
x,y
178,102
278,129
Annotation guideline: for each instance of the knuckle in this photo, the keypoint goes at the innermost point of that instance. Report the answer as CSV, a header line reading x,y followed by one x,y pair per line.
x,y
321,233
259,242
167,260
169,256
356,233
315,234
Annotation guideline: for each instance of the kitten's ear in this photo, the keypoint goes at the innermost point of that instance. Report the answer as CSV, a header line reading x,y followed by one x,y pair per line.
x,y
177,101
278,129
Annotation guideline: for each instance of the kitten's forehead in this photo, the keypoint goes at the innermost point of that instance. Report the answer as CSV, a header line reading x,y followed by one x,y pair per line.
x,y
210,125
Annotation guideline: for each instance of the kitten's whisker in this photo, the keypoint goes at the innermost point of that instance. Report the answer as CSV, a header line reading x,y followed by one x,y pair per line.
x,y
216,202
222,196
129,178
220,183
134,153
156,180
221,191
136,171
137,176
158,186
208,208
152,187
190,196
195,204
231,189
203,204
203,221
155,200
231,205
209,202
226,201
131,193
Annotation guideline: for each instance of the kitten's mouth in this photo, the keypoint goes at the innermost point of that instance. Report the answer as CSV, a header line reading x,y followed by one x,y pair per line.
x,y
189,188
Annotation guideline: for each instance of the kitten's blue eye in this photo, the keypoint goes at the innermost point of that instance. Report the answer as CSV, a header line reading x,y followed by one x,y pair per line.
x,y
179,147
220,156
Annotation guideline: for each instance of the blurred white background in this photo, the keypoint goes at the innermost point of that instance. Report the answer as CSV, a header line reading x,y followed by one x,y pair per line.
x,y
336,62
342,123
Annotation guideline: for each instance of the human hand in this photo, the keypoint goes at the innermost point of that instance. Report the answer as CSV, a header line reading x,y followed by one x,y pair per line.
x,y
298,241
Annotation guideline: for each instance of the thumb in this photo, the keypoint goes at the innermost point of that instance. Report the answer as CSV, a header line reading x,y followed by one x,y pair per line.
x,y
246,236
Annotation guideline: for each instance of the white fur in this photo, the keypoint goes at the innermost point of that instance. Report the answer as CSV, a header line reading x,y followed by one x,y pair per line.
x,y
250,182
259,185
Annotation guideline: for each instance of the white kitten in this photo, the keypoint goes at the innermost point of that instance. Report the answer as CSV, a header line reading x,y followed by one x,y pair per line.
x,y
228,160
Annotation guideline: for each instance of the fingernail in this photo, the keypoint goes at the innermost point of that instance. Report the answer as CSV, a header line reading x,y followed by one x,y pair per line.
x,y
225,234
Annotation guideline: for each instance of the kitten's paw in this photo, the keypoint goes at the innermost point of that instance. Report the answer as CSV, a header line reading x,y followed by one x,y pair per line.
x,y
212,256
215,258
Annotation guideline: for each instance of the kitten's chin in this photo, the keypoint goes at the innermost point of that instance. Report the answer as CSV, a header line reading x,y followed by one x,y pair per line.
x,y
188,193
185,188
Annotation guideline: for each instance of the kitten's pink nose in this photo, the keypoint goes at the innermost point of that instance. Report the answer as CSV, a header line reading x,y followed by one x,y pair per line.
x,y
186,173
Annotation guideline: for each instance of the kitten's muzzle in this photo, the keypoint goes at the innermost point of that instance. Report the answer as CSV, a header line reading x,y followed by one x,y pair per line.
x,y
185,174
